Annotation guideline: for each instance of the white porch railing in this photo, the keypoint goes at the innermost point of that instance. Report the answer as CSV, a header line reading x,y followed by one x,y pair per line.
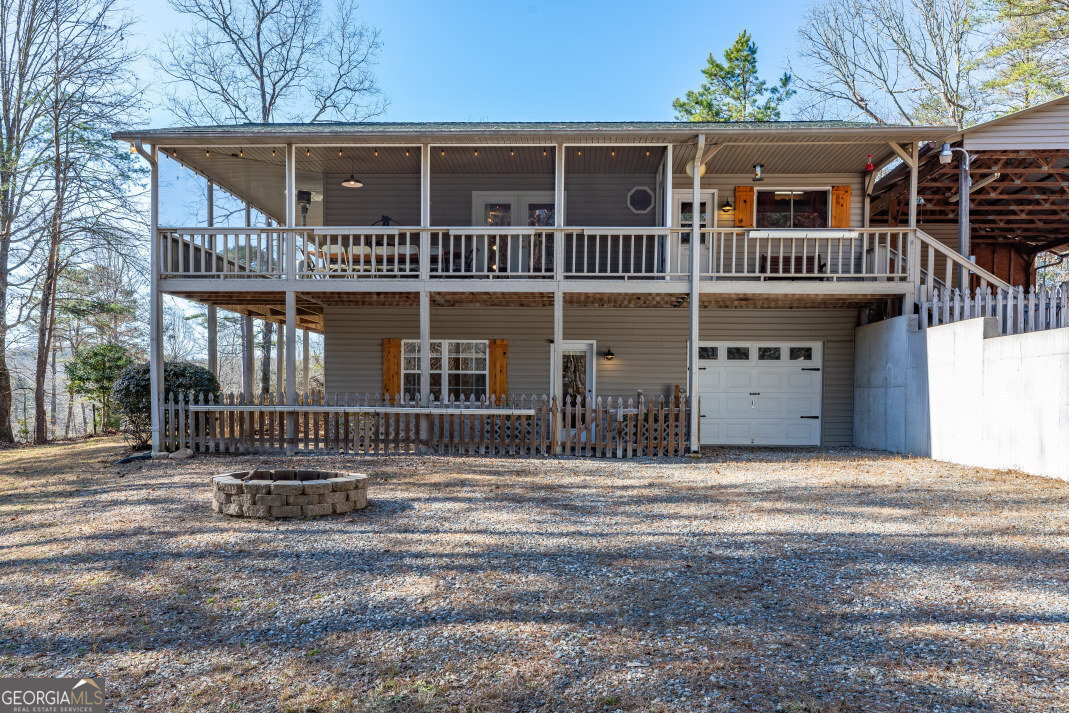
x,y
491,252
222,252
823,254
1017,311
881,254
358,252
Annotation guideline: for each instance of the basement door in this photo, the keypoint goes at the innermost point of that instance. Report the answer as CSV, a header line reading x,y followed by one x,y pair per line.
x,y
760,393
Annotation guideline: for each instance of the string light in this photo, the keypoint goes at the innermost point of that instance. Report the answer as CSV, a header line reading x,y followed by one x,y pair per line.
x,y
272,153
647,152
476,152
339,152
512,152
579,152
443,152
613,153
406,152
241,153
544,152
207,153
308,152
174,152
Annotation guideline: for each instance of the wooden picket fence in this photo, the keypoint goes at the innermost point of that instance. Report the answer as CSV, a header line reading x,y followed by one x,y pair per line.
x,y
1017,311
349,424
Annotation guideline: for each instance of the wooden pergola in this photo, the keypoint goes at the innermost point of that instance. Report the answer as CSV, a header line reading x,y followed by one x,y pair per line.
x,y
1019,204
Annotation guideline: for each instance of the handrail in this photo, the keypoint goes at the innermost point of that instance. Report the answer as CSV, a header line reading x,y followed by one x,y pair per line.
x,y
958,258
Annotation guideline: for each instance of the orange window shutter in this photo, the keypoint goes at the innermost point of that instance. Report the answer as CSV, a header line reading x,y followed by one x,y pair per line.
x,y
391,368
840,206
497,365
744,206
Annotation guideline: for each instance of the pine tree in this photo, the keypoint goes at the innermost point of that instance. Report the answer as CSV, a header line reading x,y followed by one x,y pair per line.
x,y
732,91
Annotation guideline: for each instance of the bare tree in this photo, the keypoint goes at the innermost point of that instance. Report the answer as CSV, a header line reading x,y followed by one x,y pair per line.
x,y
263,61
269,60
893,61
25,76
92,89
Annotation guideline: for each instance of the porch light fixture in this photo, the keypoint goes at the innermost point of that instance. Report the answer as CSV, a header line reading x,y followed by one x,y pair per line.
x,y
727,207
241,153
758,169
608,355
352,182
690,169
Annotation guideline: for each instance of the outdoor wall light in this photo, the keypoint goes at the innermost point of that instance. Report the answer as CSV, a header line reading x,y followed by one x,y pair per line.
x,y
690,169
727,207
608,355
758,169
946,155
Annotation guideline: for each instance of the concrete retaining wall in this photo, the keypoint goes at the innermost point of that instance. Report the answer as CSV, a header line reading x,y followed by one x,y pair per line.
x,y
961,393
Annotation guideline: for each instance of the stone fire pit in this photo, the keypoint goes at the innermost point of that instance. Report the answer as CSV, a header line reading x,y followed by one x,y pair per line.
x,y
288,493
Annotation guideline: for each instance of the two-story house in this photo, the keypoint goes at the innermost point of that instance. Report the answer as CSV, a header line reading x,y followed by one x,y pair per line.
x,y
474,260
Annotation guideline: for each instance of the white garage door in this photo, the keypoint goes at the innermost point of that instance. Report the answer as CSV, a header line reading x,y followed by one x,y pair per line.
x,y
764,393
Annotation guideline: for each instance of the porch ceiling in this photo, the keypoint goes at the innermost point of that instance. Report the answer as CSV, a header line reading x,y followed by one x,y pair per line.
x,y
1027,205
271,305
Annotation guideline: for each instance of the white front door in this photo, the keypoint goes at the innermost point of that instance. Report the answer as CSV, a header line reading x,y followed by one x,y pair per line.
x,y
683,216
760,393
577,370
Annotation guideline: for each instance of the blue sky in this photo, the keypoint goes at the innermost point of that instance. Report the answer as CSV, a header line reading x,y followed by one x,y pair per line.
x,y
539,60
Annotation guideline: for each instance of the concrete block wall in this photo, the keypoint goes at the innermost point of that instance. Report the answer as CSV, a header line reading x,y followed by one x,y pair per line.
x,y
961,393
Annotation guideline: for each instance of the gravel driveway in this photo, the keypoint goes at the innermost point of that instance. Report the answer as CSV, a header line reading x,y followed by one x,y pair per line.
x,y
749,580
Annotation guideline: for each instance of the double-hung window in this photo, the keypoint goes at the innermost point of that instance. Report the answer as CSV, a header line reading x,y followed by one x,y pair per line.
x,y
459,368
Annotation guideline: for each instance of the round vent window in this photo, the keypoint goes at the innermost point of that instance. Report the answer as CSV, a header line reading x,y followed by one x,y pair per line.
x,y
640,199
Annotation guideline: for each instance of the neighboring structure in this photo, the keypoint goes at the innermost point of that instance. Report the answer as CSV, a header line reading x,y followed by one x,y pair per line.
x,y
1019,197
559,259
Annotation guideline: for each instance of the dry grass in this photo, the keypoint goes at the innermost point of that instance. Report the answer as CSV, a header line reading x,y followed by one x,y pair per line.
x,y
806,581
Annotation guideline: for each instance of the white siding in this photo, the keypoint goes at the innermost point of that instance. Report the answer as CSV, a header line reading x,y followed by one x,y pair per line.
x,y
650,346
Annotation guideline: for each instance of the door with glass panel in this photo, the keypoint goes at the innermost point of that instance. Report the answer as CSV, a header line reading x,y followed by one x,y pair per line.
x,y
683,217
577,376
523,253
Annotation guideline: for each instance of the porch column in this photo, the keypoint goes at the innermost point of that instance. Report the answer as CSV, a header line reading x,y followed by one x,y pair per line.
x,y
558,213
213,314
555,355
306,362
248,356
280,358
669,244
909,299
291,368
695,289
425,347
155,371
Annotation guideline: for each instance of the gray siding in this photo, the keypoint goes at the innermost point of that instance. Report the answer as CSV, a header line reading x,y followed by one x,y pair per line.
x,y
650,346
394,195
601,200
1047,127
451,193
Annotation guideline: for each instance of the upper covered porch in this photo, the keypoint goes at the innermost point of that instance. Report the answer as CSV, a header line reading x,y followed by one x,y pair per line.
x,y
354,205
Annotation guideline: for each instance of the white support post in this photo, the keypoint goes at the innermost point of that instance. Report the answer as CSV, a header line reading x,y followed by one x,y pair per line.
x,y
212,313
156,380
909,299
290,246
425,212
695,290
306,362
558,213
556,377
280,356
425,347
291,369
670,245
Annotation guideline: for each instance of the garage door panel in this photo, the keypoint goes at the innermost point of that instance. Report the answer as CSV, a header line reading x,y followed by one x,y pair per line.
x,y
761,402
